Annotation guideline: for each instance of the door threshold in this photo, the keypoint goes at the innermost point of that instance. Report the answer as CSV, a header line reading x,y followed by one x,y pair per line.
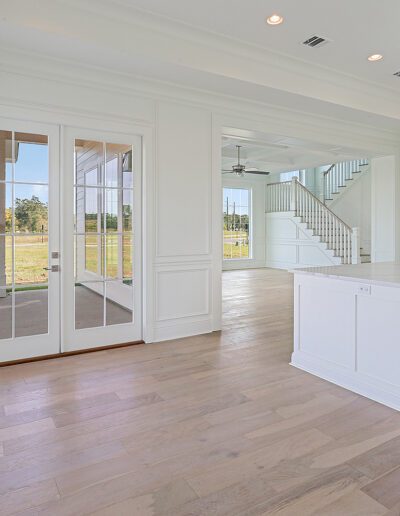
x,y
70,353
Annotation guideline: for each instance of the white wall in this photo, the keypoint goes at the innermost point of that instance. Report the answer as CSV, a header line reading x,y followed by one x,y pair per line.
x,y
384,186
314,180
257,187
181,130
353,206
291,245
183,221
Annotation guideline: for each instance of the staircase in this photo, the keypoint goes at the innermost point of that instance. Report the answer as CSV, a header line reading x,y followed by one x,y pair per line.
x,y
339,239
340,176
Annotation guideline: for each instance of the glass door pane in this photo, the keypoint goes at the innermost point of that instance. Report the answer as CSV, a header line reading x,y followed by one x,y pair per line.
x,y
103,210
27,173
24,232
102,221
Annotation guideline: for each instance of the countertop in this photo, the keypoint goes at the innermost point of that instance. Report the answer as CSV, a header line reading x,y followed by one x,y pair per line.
x,y
382,273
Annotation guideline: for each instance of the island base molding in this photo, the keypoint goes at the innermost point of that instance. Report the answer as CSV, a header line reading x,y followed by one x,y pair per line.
x,y
347,328
370,388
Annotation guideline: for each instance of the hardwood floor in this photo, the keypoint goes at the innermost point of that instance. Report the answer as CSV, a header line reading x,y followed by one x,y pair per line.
x,y
219,424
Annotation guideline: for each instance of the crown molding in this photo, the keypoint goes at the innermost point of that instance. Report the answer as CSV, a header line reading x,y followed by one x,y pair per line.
x,y
54,70
187,37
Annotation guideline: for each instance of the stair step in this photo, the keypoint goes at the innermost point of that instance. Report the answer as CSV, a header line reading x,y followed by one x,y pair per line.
x,y
365,258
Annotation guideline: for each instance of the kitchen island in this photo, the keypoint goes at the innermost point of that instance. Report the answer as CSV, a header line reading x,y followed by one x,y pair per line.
x,y
347,327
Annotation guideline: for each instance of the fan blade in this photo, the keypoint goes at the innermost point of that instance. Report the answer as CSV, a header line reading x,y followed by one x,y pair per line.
x,y
226,170
261,172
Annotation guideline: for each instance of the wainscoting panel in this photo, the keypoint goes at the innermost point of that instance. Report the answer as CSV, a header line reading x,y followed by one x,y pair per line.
x,y
183,181
183,299
183,284
290,244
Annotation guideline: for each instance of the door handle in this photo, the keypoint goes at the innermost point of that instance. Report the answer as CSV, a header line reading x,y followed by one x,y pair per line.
x,y
53,268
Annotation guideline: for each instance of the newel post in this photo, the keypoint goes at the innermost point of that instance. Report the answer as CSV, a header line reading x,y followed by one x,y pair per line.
x,y
355,246
293,187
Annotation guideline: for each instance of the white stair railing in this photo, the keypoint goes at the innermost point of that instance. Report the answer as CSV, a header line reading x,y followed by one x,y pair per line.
x,y
336,234
338,174
279,196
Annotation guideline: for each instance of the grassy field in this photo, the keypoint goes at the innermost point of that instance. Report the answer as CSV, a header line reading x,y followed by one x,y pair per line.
x,y
31,256
236,244
91,246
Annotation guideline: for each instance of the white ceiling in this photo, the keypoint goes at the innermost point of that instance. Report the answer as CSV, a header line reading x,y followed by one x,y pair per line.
x,y
277,153
357,29
224,46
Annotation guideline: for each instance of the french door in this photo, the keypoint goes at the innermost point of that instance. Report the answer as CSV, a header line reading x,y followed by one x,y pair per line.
x,y
70,239
29,240
101,280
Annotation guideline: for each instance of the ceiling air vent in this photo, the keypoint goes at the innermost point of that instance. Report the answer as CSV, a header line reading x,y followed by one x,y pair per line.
x,y
315,41
397,74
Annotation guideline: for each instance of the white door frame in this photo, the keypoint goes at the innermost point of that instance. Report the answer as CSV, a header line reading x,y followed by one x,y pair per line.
x,y
25,115
45,344
71,339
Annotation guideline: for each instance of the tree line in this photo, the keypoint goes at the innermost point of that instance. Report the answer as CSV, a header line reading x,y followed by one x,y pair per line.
x,y
30,216
235,222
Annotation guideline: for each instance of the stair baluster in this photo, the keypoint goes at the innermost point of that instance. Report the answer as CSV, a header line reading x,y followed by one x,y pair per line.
x,y
336,234
337,174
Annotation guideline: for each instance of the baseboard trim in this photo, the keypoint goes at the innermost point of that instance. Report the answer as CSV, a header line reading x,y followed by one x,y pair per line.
x,y
181,329
348,379
69,353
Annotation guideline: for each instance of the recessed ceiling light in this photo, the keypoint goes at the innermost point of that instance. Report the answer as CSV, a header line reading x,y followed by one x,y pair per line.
x,y
274,19
375,57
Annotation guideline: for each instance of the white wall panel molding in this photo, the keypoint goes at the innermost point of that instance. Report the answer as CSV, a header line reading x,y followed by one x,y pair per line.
x,y
183,204
183,235
183,300
174,293
289,244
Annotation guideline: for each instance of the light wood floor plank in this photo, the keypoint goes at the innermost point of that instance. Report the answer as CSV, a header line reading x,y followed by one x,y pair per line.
x,y
216,424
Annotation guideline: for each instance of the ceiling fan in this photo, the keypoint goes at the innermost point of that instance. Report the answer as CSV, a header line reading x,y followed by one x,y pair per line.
x,y
241,170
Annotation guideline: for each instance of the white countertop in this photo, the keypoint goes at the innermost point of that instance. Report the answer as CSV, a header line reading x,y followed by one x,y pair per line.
x,y
383,273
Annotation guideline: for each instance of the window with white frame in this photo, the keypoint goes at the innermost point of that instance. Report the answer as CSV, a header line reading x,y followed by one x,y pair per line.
x,y
237,223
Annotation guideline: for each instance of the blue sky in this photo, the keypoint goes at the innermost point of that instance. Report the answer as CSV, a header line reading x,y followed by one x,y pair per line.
x,y
31,167
238,196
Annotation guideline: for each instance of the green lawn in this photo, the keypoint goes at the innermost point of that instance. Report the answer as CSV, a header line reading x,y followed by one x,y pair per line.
x,y
236,244
31,257
91,249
